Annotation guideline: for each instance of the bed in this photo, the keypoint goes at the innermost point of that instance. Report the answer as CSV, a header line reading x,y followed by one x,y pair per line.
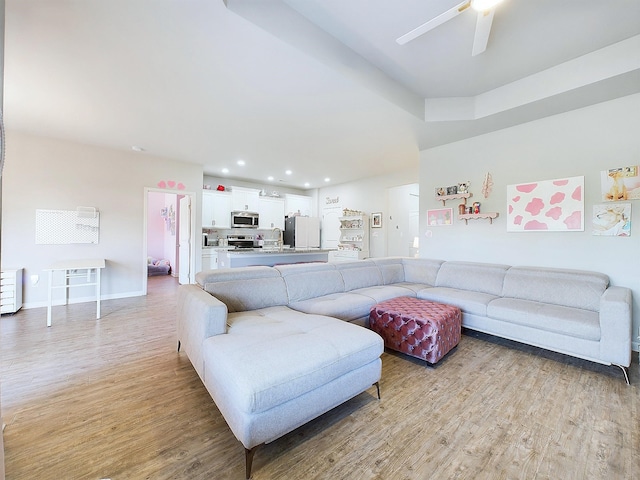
x,y
158,267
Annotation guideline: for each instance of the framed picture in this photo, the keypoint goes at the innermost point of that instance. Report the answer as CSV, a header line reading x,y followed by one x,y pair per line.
x,y
440,217
548,205
452,190
376,220
620,184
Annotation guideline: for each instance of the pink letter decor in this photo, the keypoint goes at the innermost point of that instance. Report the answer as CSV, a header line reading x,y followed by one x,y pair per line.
x,y
549,205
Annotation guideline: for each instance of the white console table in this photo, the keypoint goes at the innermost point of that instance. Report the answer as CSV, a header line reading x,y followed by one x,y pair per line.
x,y
71,270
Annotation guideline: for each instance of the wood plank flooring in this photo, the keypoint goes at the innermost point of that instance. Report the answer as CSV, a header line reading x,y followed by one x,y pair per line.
x,y
112,399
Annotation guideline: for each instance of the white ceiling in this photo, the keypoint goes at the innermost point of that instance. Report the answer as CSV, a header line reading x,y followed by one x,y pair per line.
x,y
316,86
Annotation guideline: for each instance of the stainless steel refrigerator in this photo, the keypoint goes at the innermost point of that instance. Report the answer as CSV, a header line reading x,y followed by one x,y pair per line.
x,y
302,232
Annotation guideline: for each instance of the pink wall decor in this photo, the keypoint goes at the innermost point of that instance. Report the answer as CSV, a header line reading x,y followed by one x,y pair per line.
x,y
171,184
549,205
440,217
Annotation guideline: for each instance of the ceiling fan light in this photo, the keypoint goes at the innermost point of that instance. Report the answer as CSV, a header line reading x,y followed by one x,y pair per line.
x,y
484,5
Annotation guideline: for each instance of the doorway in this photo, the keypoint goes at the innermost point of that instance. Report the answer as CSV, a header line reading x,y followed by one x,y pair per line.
x,y
168,239
402,229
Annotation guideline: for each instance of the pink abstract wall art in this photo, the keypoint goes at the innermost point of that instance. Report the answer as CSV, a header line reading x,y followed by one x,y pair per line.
x,y
549,205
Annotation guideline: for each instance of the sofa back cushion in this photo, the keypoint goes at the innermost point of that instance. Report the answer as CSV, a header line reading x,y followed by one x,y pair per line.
x,y
248,288
360,274
421,270
391,268
478,277
310,280
571,288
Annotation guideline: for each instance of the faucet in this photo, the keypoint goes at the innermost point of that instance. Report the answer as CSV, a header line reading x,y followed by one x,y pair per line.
x,y
280,242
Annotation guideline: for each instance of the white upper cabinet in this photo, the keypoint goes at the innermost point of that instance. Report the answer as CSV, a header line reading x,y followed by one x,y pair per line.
x,y
216,209
245,199
271,212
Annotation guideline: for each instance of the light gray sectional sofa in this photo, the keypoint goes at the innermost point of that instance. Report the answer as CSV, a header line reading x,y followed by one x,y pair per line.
x,y
279,346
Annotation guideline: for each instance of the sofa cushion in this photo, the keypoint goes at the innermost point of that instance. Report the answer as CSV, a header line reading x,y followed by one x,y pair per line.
x,y
310,280
574,322
273,355
391,268
345,306
381,293
571,288
227,274
480,277
247,288
359,274
466,300
421,270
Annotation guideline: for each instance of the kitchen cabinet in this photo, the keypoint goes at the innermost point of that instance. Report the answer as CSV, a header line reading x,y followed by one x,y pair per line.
x,y
209,259
245,199
298,204
216,209
11,290
271,212
346,255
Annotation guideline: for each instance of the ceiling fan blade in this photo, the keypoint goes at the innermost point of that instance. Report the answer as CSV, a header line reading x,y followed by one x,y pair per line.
x,y
433,23
483,29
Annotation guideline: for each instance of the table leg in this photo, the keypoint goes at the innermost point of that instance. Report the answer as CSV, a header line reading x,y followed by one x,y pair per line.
x,y
49,298
97,293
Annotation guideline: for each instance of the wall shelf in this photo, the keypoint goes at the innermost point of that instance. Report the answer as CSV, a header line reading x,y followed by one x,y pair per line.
x,y
473,216
444,198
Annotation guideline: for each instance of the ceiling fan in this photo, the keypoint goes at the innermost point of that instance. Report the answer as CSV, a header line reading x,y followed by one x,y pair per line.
x,y
485,9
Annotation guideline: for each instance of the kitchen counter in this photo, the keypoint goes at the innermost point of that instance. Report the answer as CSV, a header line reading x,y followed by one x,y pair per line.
x,y
270,257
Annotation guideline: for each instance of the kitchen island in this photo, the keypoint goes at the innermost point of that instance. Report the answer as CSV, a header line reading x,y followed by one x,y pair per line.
x,y
257,256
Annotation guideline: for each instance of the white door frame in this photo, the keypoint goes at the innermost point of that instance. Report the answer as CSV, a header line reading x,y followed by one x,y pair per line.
x,y
192,243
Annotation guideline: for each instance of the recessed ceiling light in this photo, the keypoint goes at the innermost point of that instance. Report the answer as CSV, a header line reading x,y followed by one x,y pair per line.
x,y
270,178
288,172
327,179
306,184
136,148
241,163
225,170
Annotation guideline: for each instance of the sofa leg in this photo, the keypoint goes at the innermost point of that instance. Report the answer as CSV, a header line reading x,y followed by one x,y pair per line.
x,y
248,459
377,384
625,371
178,345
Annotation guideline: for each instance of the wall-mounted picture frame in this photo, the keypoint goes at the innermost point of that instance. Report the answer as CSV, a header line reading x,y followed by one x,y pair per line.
x,y
376,220
440,217
452,190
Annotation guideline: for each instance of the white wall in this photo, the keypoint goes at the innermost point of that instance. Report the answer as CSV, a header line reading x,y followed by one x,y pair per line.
x,y
581,142
42,173
368,195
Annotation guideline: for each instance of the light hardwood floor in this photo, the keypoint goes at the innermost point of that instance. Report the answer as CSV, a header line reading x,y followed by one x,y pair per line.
x,y
112,398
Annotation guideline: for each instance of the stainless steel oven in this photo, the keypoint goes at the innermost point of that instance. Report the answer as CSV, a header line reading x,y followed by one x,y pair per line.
x,y
242,219
240,241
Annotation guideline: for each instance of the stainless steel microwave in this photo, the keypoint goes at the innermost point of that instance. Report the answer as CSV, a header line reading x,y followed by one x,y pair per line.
x,y
242,219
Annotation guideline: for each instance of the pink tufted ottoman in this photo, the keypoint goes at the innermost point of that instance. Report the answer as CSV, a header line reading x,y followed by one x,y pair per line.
x,y
422,329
